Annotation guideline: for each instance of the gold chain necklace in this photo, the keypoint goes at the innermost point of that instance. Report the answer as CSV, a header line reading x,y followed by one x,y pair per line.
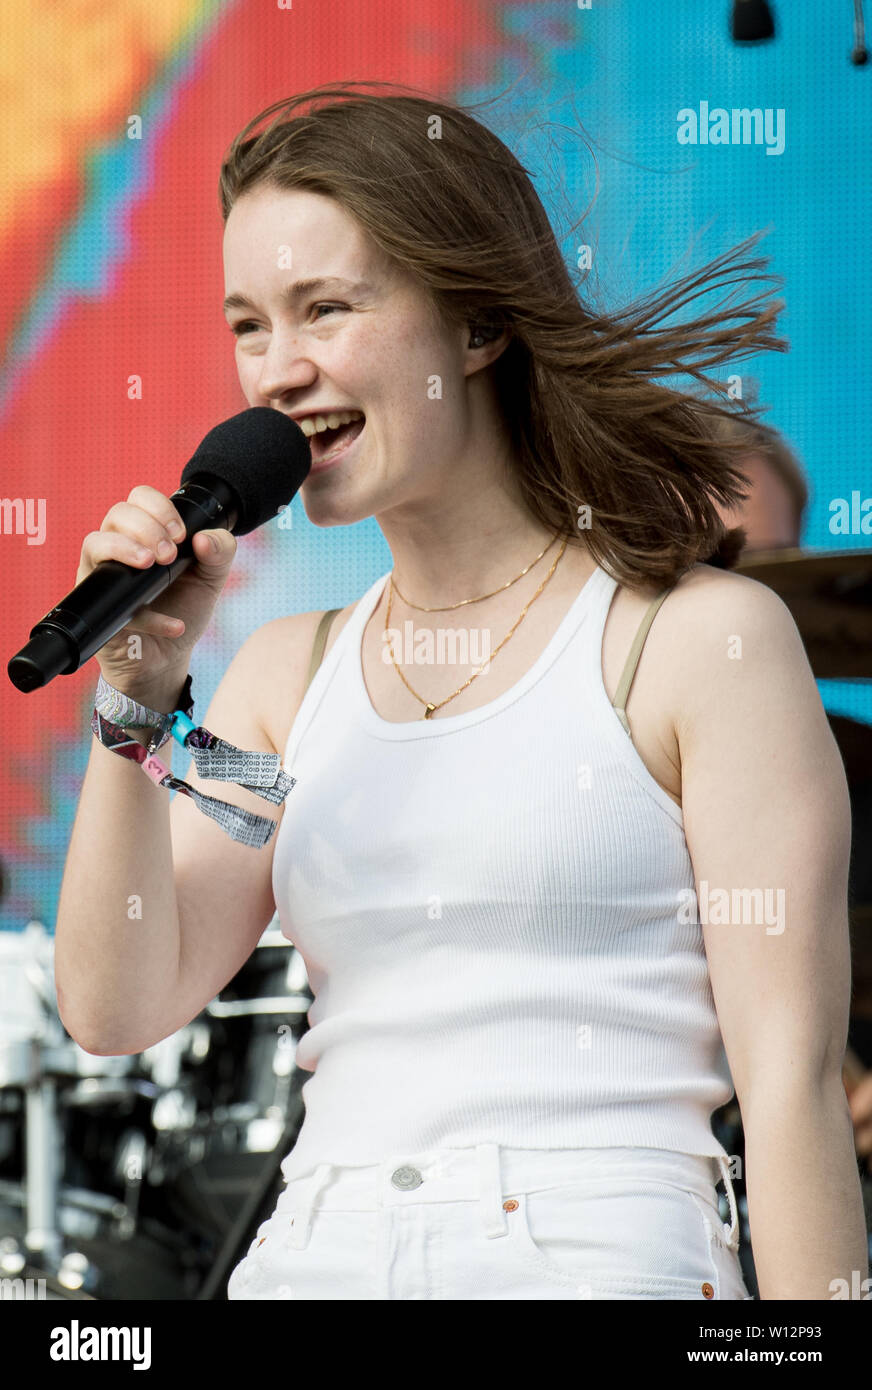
x,y
502,587
430,707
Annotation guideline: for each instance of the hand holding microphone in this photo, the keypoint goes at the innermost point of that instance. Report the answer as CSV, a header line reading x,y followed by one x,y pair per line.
x,y
242,474
133,533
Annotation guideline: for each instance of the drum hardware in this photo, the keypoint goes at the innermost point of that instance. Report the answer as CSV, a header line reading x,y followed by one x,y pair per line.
x,y
163,1062
10,1126
174,1111
75,1274
180,1133
129,1171
17,1063
245,1008
31,1027
48,1082
81,1211
105,1092
251,1098
29,1281
80,1206
259,1204
42,1150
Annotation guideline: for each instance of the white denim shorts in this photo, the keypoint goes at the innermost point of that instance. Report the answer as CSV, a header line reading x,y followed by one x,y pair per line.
x,y
492,1222
495,1222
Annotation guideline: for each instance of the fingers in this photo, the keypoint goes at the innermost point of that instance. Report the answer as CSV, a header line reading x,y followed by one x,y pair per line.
x,y
144,531
156,624
160,508
118,545
142,527
141,531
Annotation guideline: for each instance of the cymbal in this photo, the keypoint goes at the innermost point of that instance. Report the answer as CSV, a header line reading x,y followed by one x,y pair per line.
x,y
829,594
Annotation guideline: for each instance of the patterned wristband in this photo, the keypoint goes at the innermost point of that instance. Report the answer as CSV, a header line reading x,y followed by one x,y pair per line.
x,y
128,713
258,772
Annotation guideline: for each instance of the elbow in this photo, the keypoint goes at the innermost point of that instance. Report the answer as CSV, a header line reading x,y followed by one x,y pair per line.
x,y
97,1046
784,1091
93,1041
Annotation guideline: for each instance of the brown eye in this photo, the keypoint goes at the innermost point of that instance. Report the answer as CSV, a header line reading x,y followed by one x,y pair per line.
x,y
328,306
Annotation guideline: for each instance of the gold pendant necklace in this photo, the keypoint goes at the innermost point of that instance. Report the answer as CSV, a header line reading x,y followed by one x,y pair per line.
x,y
430,707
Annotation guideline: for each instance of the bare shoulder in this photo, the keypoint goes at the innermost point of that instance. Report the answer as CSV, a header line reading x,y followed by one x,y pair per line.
x,y
708,583
279,653
704,611
707,602
723,629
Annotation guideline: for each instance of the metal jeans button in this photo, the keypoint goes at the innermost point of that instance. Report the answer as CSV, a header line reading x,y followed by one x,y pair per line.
x,y
406,1178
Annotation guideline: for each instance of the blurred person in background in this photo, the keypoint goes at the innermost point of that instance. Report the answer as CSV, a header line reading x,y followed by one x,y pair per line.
x,y
773,513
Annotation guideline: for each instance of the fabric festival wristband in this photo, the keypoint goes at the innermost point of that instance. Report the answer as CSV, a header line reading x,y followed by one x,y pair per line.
x,y
258,772
130,714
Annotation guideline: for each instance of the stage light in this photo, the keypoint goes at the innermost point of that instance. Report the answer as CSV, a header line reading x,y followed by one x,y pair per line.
x,y
751,21
859,54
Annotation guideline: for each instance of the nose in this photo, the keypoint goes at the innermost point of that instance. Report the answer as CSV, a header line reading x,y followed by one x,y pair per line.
x,y
284,368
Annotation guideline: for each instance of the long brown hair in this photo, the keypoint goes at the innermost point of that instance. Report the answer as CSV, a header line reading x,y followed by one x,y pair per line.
x,y
590,424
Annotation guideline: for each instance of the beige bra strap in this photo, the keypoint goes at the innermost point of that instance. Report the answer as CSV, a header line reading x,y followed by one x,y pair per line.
x,y
319,643
623,690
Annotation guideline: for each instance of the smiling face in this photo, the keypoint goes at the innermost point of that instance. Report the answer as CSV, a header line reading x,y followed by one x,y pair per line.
x,y
367,339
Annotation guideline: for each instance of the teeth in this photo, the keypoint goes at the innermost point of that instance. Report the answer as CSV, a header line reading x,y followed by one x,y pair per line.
x,y
316,424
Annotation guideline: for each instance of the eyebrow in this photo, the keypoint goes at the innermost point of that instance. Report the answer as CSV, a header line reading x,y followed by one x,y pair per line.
x,y
302,288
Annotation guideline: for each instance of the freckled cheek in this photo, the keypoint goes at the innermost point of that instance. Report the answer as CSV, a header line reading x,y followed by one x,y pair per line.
x,y
248,373
397,366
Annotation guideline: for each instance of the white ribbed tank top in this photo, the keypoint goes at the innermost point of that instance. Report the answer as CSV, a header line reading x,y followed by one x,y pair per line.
x,y
488,905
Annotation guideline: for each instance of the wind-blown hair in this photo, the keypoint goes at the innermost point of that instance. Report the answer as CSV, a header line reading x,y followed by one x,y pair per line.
x,y
590,423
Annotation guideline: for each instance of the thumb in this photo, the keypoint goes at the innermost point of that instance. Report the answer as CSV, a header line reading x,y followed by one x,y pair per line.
x,y
214,547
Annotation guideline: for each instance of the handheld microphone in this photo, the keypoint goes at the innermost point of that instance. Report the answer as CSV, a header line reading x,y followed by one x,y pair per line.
x,y
244,471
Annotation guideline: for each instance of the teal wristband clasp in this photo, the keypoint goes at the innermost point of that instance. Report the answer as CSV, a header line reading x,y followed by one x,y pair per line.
x,y
182,726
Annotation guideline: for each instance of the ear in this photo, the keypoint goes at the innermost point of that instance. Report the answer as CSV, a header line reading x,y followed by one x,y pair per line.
x,y
483,346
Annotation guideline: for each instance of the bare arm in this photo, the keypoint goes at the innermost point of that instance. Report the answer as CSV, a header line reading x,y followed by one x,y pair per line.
x,y
159,907
120,839
766,807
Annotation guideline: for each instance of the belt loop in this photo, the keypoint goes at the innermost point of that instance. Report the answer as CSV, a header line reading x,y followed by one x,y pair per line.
x,y
298,1236
733,1230
490,1192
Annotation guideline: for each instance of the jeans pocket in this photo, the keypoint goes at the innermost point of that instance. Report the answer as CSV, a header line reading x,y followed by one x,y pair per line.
x,y
262,1265
619,1239
337,1259
728,1267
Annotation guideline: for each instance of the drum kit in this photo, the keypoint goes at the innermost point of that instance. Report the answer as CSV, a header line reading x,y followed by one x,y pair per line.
x,y
146,1176
143,1176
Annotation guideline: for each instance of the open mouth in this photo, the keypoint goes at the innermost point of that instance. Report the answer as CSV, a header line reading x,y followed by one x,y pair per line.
x,y
326,443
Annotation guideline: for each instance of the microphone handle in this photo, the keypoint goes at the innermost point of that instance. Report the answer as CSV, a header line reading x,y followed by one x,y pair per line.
x,y
106,599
